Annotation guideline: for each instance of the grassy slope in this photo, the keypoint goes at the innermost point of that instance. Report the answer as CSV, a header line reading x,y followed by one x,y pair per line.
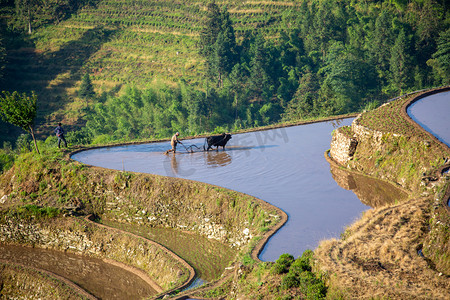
x,y
123,42
378,255
53,180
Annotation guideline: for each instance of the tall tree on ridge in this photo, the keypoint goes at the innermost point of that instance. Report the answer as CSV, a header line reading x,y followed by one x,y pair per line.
x,y
219,44
213,25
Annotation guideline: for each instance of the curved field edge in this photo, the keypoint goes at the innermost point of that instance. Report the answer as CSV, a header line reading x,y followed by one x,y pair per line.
x,y
34,283
53,180
142,257
399,250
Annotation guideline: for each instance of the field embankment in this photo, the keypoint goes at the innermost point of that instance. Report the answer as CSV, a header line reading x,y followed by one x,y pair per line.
x,y
399,250
30,283
44,199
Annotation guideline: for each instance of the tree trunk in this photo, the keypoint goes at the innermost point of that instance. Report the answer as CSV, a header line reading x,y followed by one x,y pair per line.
x,y
34,139
29,20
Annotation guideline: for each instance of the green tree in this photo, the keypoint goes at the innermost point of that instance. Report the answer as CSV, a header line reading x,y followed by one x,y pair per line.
x,y
236,88
213,26
348,76
222,59
25,10
259,81
86,90
379,41
303,103
221,55
400,63
19,110
326,26
440,61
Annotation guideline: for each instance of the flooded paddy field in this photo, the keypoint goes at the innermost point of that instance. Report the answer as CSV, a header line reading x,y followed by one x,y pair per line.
x,y
285,167
432,113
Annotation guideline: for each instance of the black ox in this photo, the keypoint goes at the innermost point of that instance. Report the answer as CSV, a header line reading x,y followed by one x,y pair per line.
x,y
217,140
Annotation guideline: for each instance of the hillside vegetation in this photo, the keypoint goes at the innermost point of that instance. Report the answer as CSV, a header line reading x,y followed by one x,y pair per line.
x,y
200,66
400,250
139,70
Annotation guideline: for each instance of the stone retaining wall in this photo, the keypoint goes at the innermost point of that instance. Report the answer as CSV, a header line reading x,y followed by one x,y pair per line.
x,y
343,146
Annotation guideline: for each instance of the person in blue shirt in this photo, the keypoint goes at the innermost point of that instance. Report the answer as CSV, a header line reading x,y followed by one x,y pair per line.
x,y
60,134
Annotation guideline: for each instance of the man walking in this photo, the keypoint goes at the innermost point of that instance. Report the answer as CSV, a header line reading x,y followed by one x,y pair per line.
x,y
60,134
174,141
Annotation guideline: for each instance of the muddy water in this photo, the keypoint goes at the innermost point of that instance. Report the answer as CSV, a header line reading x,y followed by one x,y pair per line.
x,y
432,113
284,167
100,279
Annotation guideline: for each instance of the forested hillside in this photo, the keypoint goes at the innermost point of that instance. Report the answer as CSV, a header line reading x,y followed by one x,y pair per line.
x,y
135,69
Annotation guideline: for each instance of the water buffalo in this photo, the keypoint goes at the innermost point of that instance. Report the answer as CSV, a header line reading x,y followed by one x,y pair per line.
x,y
217,140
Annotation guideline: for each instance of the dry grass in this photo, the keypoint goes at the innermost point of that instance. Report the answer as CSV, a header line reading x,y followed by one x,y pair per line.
x,y
378,257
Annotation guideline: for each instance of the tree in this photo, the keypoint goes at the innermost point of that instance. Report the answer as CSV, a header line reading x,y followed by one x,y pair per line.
x,y
211,30
2,56
347,76
379,41
19,110
400,62
259,81
25,10
441,58
86,88
218,44
303,103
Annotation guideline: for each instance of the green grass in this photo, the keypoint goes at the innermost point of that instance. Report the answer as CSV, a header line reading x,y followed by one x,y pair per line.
x,y
32,212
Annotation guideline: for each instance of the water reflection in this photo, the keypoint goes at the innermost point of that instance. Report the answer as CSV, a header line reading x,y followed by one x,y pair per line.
x,y
370,191
103,280
336,123
174,164
217,159
283,166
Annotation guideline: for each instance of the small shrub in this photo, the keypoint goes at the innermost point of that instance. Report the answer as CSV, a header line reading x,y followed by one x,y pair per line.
x,y
300,265
101,139
306,278
289,281
372,105
282,264
31,211
23,143
7,158
317,290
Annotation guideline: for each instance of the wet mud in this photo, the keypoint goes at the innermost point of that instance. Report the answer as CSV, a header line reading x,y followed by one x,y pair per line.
x,y
100,279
